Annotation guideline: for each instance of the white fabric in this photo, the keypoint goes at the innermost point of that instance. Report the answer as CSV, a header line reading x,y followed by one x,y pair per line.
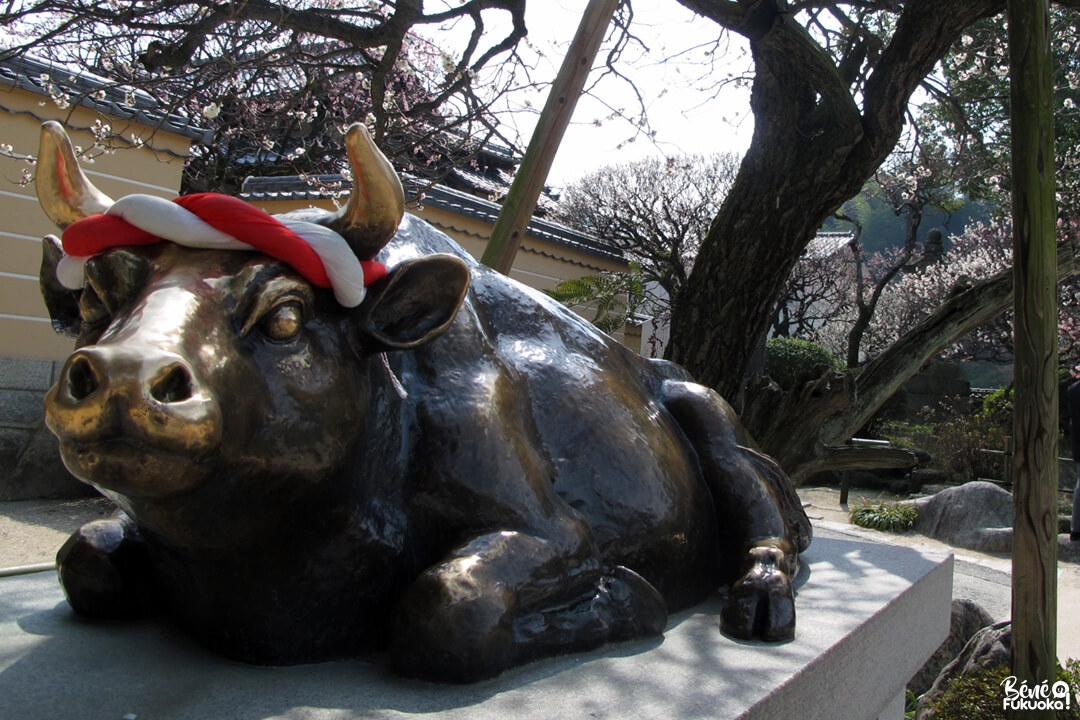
x,y
340,262
169,221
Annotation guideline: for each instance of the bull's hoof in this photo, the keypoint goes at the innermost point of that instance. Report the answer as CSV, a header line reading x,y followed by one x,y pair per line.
x,y
633,607
761,604
441,632
102,571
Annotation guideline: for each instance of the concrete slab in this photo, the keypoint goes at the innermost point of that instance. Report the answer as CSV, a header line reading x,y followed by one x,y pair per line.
x,y
868,616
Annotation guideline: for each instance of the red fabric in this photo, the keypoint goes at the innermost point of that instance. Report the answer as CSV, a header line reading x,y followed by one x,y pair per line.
x,y
95,233
373,271
250,225
231,216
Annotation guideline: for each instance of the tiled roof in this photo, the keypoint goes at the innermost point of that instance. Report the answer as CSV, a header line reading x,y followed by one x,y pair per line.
x,y
95,92
825,244
459,203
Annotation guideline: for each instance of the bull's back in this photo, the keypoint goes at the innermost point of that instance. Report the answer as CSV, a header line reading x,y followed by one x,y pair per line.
x,y
590,408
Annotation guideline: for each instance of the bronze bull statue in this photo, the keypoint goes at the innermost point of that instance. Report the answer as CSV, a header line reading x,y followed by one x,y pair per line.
x,y
457,469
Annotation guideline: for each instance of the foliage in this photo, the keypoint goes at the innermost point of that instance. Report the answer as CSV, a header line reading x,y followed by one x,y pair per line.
x,y
791,361
978,695
277,82
969,107
907,434
981,252
656,210
956,439
884,229
888,517
998,405
616,296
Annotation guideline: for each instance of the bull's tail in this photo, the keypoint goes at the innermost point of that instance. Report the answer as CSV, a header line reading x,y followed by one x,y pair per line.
x,y
754,499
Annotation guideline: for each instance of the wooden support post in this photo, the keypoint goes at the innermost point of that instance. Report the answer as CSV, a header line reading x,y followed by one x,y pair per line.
x,y
1035,469
529,180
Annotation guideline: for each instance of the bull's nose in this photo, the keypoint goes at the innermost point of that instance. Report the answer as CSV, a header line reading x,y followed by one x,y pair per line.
x,y
80,378
148,396
172,384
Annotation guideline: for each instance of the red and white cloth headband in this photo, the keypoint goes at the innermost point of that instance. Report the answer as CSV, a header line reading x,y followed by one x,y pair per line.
x,y
212,221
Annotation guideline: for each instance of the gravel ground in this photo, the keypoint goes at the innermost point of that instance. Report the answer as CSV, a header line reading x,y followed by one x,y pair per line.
x,y
31,531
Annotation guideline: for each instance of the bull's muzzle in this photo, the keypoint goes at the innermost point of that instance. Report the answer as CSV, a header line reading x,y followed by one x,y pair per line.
x,y
117,402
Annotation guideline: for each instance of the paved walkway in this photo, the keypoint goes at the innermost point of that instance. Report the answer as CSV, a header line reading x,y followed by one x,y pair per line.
x,y
869,614
981,577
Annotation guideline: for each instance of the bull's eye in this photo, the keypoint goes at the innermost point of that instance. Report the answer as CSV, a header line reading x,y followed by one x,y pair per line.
x,y
283,323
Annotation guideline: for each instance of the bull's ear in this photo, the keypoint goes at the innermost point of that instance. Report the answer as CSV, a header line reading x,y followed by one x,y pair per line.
x,y
415,303
63,303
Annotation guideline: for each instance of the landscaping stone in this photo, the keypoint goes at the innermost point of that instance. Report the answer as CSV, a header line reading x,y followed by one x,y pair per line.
x,y
989,648
870,614
976,515
967,619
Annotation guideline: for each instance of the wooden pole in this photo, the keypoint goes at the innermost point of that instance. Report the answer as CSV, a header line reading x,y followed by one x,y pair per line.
x,y
1035,469
520,202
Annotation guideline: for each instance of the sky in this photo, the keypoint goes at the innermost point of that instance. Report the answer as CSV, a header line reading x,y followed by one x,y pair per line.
x,y
685,119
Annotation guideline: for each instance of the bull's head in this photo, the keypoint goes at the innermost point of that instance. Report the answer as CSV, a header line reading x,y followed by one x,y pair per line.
x,y
199,363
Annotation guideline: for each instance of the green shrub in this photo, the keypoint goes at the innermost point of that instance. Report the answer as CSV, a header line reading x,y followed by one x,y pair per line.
x,y
998,406
890,517
616,296
907,434
793,361
955,442
978,695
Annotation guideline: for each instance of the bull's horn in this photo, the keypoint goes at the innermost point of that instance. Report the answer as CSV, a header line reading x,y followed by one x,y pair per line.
x,y
65,194
377,203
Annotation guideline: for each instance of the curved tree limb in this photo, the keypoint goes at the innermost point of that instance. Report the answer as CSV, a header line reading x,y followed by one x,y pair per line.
x,y
963,312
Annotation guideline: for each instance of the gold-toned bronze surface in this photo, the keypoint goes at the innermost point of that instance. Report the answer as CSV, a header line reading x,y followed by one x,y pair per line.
x,y
458,470
65,194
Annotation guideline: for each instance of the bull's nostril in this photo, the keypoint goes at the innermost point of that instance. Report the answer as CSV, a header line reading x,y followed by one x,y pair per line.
x,y
81,381
173,386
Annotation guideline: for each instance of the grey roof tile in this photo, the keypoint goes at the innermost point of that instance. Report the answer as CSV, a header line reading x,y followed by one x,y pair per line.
x,y
296,188
95,92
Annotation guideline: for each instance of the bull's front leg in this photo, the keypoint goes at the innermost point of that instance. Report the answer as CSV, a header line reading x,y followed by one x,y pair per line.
x,y
509,597
104,570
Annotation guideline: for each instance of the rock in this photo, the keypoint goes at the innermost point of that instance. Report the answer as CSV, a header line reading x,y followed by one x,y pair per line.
x,y
989,648
967,619
976,515
30,465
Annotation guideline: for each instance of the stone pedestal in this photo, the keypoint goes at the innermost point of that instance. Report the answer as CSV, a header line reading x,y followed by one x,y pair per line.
x,y
869,616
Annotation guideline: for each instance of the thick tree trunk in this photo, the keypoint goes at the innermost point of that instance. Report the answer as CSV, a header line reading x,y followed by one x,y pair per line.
x,y
813,148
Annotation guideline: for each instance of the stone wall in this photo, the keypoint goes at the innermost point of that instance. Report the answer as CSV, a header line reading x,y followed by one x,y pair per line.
x,y
30,465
